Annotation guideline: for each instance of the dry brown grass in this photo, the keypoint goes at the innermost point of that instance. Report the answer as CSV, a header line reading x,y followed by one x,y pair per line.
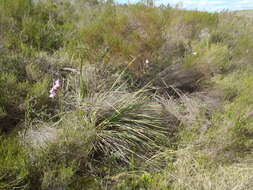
x,y
192,174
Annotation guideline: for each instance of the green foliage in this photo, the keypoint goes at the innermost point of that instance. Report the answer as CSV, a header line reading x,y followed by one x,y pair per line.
x,y
200,20
14,170
16,9
114,30
140,181
239,92
103,130
59,177
210,59
14,91
35,25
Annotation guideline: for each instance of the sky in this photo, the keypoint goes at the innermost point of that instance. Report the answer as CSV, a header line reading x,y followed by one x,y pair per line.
x,y
205,5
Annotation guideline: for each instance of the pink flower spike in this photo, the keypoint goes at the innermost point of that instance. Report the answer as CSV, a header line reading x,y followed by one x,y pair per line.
x,y
53,90
52,95
57,84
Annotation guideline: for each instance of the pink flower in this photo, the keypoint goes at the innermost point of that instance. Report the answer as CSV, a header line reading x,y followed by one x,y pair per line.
x,y
57,84
54,89
52,95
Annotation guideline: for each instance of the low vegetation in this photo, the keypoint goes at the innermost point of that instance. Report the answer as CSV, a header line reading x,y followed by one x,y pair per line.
x,y
97,95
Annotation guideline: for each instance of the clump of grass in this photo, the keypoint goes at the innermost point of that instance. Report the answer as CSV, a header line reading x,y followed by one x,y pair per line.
x,y
14,168
118,123
194,171
102,129
188,169
123,129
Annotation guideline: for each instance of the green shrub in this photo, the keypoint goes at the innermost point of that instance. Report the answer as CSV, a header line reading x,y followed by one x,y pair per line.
x,y
17,9
38,25
210,59
200,20
117,32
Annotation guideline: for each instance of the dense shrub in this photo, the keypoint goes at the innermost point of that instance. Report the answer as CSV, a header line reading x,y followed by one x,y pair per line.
x,y
35,25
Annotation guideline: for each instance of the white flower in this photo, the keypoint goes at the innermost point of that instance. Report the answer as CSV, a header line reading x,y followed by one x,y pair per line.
x,y
147,61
